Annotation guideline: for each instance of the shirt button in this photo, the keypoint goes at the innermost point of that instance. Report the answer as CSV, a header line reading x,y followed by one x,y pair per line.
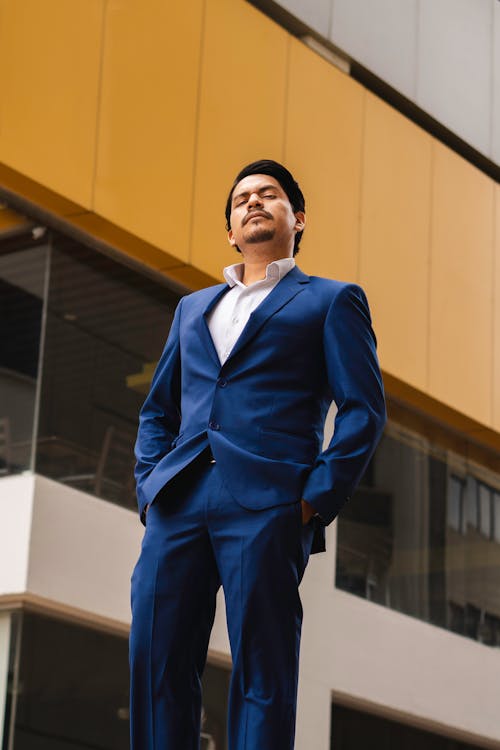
x,y
236,320
214,425
222,383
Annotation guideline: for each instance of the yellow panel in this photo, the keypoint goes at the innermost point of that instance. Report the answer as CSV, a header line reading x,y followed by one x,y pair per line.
x,y
461,358
242,116
394,257
147,122
496,321
35,193
49,74
116,238
10,220
323,150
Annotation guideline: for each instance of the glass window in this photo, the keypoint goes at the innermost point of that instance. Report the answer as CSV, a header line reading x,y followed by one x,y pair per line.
x,y
490,630
215,700
455,503
484,509
496,516
352,730
71,689
471,504
22,284
472,621
105,330
94,329
418,538
456,619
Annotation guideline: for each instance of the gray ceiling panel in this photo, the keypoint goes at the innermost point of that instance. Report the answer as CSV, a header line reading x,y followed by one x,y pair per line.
x,y
454,66
382,36
315,13
495,146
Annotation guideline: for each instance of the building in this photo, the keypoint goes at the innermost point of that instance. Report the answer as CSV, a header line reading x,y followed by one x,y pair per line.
x,y
121,127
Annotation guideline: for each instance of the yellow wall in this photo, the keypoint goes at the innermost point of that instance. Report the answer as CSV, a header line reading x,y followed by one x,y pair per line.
x,y
10,220
141,115
323,144
461,288
395,251
147,119
49,91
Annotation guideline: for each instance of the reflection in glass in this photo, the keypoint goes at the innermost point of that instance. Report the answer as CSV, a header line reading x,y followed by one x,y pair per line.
x,y
471,509
98,329
496,516
71,690
105,329
456,503
214,716
421,535
352,730
12,680
484,509
22,281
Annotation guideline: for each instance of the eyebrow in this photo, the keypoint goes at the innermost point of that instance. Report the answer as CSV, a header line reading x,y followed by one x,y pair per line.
x,y
261,190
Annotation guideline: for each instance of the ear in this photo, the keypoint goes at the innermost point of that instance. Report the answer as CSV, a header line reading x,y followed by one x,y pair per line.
x,y
300,221
230,238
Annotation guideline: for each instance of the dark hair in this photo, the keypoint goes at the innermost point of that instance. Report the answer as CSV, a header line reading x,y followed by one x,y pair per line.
x,y
285,179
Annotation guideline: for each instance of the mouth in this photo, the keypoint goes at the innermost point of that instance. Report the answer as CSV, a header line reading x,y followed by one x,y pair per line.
x,y
256,215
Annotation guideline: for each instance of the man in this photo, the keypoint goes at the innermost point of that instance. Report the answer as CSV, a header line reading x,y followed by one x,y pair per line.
x,y
231,479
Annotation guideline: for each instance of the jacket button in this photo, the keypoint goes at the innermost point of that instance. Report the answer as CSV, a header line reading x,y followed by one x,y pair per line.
x,y
222,383
214,425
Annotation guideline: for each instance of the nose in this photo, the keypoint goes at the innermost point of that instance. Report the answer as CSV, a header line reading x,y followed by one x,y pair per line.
x,y
254,201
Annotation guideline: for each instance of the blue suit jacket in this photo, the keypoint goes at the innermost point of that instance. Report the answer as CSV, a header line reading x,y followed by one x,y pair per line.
x,y
262,412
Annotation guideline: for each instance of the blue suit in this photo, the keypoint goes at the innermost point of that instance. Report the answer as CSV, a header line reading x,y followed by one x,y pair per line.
x,y
238,521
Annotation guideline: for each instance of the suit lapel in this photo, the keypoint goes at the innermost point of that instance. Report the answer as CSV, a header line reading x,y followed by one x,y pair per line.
x,y
202,325
289,286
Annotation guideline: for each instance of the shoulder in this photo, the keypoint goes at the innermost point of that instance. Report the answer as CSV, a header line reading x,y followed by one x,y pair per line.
x,y
334,289
202,296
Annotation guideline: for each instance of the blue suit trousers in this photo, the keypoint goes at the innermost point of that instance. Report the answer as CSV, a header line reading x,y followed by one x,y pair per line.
x,y
197,538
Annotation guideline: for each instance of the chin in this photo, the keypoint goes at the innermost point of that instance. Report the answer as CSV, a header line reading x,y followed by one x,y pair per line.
x,y
261,235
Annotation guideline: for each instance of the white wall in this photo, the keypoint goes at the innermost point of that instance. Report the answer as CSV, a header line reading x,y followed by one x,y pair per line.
x,y
16,505
82,551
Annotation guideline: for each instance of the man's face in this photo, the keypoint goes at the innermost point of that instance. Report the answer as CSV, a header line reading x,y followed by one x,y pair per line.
x,y
261,212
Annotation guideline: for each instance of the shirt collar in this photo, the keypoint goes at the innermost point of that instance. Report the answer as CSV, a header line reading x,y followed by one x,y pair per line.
x,y
274,271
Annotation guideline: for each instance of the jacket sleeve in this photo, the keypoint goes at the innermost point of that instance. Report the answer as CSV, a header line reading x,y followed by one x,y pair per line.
x,y
160,415
356,383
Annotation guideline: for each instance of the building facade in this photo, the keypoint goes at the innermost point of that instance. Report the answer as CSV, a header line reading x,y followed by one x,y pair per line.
x,y
122,124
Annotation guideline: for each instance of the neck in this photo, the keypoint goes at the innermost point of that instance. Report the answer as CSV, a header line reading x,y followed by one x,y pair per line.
x,y
254,268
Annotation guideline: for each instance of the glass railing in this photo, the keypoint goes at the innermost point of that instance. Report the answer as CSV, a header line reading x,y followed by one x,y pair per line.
x,y
80,335
23,282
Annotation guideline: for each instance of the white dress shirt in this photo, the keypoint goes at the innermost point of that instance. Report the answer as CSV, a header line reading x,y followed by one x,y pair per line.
x,y
230,315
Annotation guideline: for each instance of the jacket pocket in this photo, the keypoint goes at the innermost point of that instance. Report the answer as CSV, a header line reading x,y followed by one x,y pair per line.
x,y
287,446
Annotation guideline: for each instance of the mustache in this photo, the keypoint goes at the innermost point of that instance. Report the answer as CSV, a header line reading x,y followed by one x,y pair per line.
x,y
259,212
